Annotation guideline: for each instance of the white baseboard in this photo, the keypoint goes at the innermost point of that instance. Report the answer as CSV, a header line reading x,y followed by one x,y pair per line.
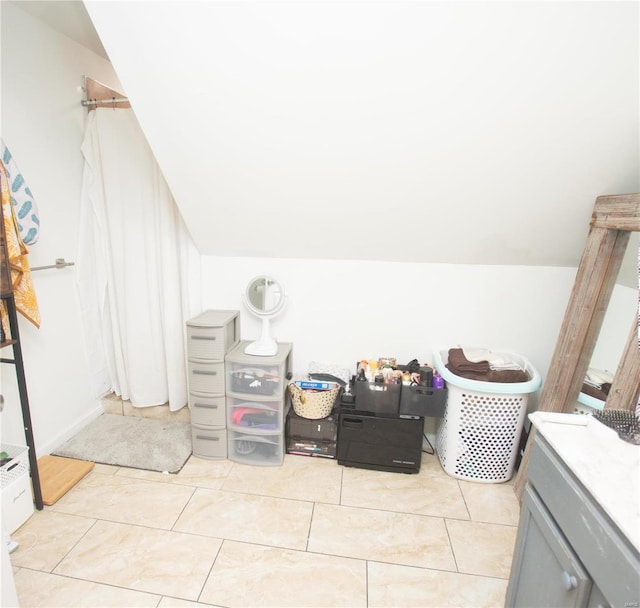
x,y
56,442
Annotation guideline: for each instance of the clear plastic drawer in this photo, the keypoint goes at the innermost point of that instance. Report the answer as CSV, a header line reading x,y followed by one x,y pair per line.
x,y
254,414
262,380
261,450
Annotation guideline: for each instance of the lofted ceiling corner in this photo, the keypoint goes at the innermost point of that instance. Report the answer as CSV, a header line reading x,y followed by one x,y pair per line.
x,y
69,17
461,132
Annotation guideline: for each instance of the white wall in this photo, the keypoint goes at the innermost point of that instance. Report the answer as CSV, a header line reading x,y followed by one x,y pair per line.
x,y
342,311
42,123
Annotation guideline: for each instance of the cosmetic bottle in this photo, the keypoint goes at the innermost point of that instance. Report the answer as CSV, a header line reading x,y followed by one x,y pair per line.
x,y
438,380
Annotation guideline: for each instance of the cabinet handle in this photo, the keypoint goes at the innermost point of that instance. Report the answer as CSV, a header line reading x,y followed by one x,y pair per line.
x,y
204,372
207,438
210,406
569,581
352,423
203,337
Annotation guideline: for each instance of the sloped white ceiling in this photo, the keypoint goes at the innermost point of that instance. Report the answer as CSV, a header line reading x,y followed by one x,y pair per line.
x,y
461,132
69,17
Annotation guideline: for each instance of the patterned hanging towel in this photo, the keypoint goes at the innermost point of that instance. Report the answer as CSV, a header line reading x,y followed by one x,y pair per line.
x,y
25,207
23,292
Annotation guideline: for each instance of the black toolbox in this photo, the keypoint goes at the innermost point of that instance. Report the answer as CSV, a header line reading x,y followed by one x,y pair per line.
x,y
382,443
311,437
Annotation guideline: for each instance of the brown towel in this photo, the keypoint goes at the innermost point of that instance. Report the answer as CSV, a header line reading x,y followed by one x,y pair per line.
x,y
459,363
505,375
601,393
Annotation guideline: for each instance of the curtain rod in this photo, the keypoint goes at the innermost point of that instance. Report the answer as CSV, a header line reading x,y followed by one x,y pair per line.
x,y
93,102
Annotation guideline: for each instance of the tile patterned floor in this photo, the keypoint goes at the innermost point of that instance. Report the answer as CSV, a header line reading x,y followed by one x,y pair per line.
x,y
310,533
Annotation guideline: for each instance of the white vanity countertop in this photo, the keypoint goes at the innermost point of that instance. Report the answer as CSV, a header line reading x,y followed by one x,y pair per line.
x,y
607,466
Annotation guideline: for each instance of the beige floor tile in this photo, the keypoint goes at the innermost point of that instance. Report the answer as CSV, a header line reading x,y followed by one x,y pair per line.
x,y
143,559
391,585
297,478
112,404
196,472
257,576
104,469
262,522
494,503
126,500
400,538
483,549
429,492
146,475
172,602
203,473
39,589
256,519
46,538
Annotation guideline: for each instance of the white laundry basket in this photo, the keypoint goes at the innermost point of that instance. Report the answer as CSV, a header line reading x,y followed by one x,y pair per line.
x,y
480,432
587,405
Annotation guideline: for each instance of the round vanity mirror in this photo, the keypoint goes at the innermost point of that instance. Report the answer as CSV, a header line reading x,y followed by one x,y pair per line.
x,y
265,298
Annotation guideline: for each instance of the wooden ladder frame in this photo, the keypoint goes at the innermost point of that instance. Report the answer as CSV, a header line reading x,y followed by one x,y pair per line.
x,y
613,220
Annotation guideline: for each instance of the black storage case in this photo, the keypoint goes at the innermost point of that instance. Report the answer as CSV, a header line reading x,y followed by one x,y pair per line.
x,y
377,398
381,443
311,437
426,401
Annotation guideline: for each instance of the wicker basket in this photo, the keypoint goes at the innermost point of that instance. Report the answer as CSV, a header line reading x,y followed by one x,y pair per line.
x,y
313,404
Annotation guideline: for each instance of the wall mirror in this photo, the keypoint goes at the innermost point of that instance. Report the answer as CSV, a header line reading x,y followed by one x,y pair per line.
x,y
611,339
613,221
265,298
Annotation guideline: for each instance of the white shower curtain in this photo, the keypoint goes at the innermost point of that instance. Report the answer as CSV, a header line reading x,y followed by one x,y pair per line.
x,y
137,269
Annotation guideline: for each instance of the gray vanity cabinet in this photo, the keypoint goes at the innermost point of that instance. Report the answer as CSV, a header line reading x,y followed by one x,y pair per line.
x,y
548,572
568,552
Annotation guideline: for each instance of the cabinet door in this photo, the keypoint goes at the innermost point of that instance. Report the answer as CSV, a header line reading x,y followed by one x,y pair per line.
x,y
597,599
545,570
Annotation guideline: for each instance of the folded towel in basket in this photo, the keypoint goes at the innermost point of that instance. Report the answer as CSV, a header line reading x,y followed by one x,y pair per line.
x,y
459,365
496,361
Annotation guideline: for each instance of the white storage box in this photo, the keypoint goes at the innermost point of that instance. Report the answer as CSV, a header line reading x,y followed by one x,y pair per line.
x,y
17,498
479,435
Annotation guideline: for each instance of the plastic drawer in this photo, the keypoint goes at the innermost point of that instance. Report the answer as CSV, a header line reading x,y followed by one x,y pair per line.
x,y
211,334
207,343
207,411
209,443
262,450
254,414
256,379
206,377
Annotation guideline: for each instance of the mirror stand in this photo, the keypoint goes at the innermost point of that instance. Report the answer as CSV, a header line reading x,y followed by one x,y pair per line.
x,y
265,346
